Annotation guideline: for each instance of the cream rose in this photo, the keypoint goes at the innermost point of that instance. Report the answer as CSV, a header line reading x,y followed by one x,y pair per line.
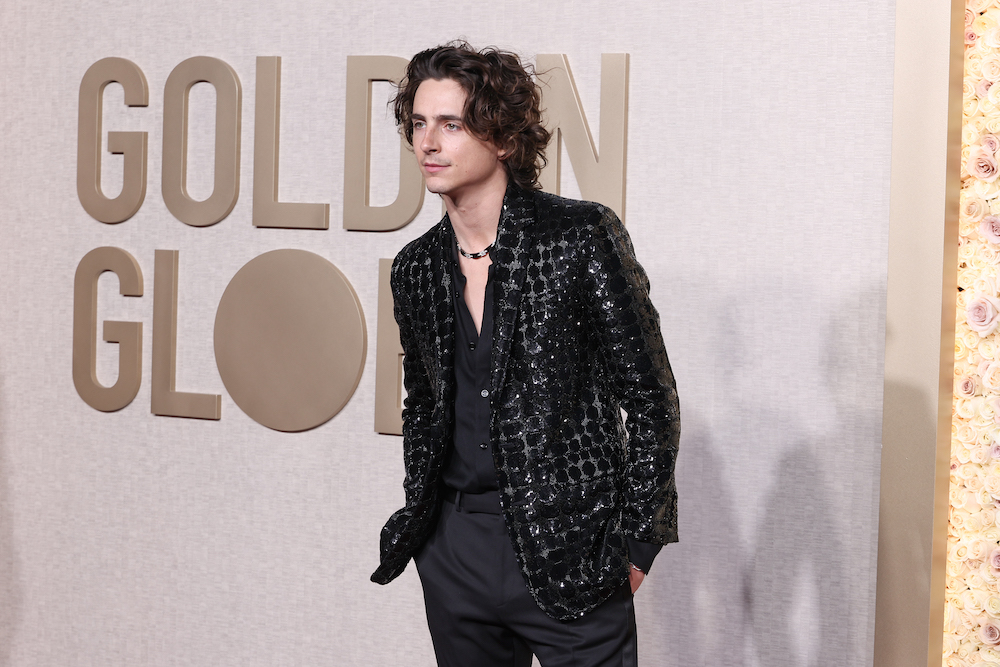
x,y
982,315
986,499
971,602
970,107
963,410
992,485
973,65
990,256
967,278
992,606
966,249
968,471
977,7
990,67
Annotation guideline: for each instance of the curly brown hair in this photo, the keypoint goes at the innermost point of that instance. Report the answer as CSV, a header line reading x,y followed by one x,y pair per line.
x,y
502,102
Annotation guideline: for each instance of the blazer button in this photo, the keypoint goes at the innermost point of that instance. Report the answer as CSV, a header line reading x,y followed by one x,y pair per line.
x,y
472,345
484,393
482,445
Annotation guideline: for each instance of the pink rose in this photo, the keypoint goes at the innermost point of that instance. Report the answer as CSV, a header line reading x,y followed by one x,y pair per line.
x,y
982,314
982,165
989,141
995,450
989,228
982,89
970,36
965,386
989,632
994,560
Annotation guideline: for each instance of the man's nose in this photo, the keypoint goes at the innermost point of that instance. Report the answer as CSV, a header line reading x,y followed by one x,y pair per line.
x,y
428,141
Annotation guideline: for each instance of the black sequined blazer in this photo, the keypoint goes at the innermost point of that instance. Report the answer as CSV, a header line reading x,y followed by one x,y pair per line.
x,y
576,339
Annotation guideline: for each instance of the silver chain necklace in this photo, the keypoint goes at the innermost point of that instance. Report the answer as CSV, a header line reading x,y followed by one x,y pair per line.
x,y
475,255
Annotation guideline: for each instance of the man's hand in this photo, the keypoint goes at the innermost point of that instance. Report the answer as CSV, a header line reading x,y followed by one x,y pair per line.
x,y
635,577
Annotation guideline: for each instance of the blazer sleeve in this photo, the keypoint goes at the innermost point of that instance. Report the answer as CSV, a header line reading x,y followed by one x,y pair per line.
x,y
639,375
418,406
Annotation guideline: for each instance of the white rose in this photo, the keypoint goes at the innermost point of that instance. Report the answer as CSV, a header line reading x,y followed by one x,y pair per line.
x,y
973,207
967,278
986,189
990,256
990,378
992,485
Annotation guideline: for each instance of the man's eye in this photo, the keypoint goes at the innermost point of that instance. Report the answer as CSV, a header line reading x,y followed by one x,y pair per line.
x,y
452,126
418,125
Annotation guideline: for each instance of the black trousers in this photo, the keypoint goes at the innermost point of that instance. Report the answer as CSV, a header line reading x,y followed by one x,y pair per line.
x,y
481,614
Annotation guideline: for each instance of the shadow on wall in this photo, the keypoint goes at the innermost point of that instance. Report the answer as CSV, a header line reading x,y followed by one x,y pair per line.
x,y
696,615
786,584
797,596
10,594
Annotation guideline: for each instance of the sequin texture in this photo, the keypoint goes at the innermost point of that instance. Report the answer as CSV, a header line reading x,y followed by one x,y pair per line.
x,y
576,340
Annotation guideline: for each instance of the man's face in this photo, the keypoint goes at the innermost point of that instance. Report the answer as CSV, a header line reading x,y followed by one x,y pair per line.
x,y
454,163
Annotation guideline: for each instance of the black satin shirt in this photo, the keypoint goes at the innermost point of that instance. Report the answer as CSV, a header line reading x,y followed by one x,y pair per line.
x,y
470,466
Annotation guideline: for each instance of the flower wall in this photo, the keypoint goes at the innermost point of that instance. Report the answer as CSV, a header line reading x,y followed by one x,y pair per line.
x,y
972,608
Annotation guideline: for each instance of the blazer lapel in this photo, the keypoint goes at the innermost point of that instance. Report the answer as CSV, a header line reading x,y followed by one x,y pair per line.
x,y
440,294
511,259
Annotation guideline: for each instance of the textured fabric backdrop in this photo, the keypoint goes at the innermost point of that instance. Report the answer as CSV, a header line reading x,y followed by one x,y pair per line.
x,y
757,198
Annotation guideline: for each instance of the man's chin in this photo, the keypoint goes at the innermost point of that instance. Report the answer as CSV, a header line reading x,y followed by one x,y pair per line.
x,y
436,188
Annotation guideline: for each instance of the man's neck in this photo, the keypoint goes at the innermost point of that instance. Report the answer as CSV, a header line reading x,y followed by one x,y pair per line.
x,y
475,219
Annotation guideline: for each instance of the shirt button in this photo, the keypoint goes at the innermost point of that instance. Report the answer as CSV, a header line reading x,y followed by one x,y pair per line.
x,y
484,393
472,346
482,445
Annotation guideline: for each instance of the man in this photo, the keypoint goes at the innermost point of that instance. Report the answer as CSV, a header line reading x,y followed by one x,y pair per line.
x,y
526,328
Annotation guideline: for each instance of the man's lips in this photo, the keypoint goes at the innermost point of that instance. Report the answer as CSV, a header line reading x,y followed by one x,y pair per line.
x,y
432,168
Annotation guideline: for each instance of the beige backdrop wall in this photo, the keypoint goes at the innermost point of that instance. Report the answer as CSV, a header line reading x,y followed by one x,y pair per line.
x,y
757,198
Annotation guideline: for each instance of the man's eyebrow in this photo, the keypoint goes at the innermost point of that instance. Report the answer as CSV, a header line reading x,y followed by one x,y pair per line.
x,y
444,116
